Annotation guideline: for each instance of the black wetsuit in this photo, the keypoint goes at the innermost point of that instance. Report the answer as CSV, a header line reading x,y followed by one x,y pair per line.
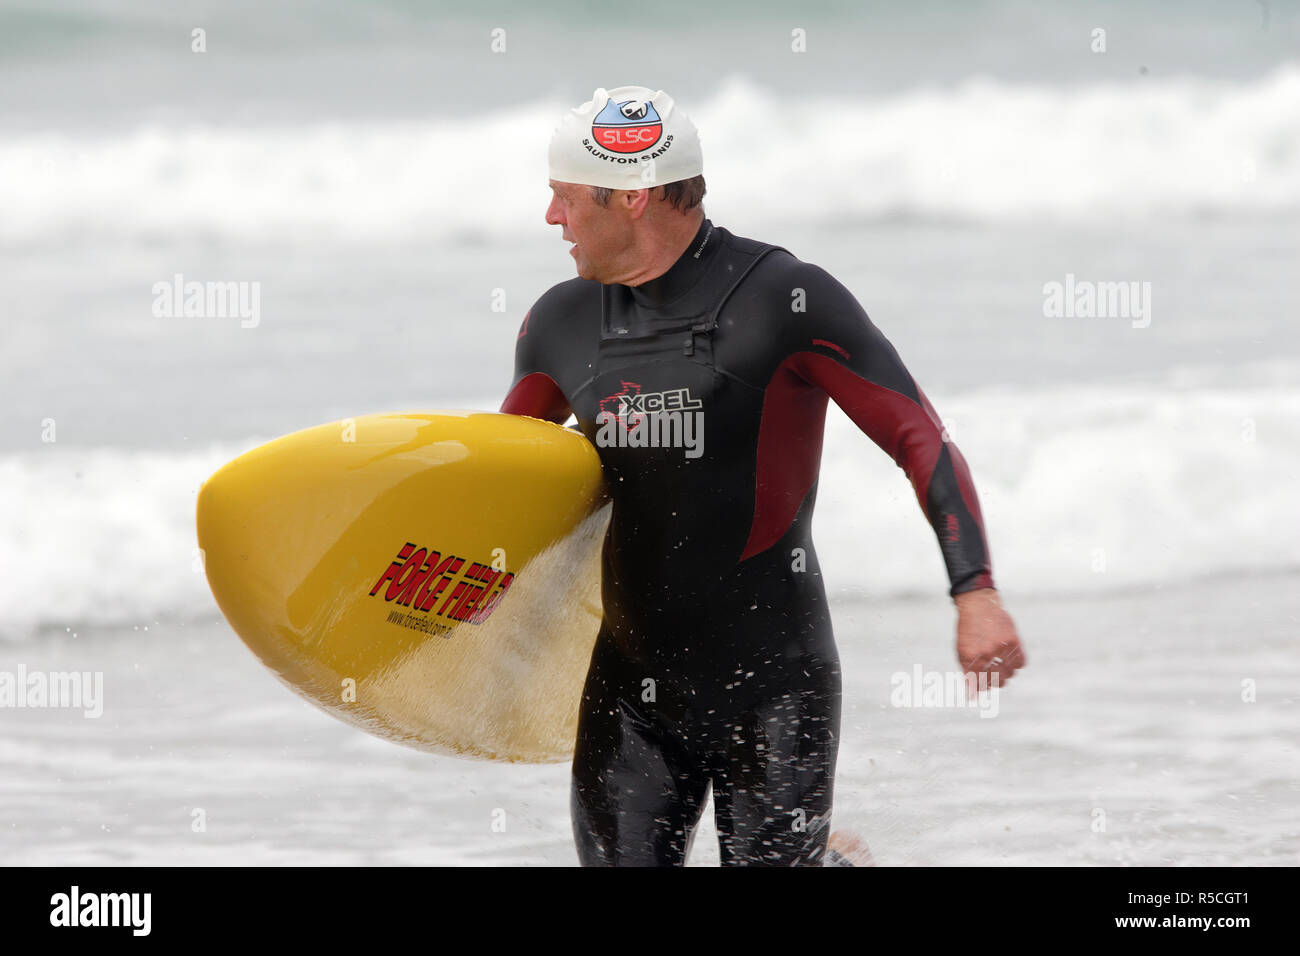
x,y
705,393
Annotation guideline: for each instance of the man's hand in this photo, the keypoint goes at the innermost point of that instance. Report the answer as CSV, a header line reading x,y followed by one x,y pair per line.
x,y
986,637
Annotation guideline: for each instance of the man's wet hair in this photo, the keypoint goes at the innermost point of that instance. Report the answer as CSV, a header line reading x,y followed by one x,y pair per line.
x,y
682,195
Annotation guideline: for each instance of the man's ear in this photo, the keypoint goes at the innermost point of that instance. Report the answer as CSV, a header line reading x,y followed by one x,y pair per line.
x,y
637,200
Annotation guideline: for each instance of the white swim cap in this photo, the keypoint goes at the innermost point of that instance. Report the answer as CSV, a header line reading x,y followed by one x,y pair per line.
x,y
629,137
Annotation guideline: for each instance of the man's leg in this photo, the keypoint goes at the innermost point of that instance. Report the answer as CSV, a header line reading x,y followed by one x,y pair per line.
x,y
774,775
637,793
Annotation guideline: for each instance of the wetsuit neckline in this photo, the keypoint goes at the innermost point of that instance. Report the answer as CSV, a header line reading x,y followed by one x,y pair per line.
x,y
683,275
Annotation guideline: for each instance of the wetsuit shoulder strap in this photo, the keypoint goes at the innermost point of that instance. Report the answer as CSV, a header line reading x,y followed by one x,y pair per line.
x,y
741,256
738,255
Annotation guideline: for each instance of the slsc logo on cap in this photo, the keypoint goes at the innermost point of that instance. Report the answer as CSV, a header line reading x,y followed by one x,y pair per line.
x,y
627,127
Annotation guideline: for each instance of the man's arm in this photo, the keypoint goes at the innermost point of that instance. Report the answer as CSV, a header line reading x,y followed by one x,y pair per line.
x,y
846,356
534,392
841,352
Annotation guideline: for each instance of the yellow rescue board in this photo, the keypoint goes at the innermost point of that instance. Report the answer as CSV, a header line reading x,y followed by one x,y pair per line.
x,y
430,577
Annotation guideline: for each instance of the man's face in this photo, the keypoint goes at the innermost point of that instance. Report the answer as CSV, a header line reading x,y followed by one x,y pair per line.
x,y
600,234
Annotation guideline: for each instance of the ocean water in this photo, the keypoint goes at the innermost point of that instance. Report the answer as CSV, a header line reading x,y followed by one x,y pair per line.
x,y
379,172
1125,743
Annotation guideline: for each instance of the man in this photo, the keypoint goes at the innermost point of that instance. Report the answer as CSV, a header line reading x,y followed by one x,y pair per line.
x,y
700,365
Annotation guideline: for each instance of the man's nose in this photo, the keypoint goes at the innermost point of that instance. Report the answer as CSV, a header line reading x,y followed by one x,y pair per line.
x,y
554,212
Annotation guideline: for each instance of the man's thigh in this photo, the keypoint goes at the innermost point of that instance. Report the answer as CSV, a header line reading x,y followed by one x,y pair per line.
x,y
773,774
637,792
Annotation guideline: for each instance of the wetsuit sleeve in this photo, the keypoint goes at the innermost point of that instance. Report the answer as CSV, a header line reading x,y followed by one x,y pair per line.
x,y
534,391
843,353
